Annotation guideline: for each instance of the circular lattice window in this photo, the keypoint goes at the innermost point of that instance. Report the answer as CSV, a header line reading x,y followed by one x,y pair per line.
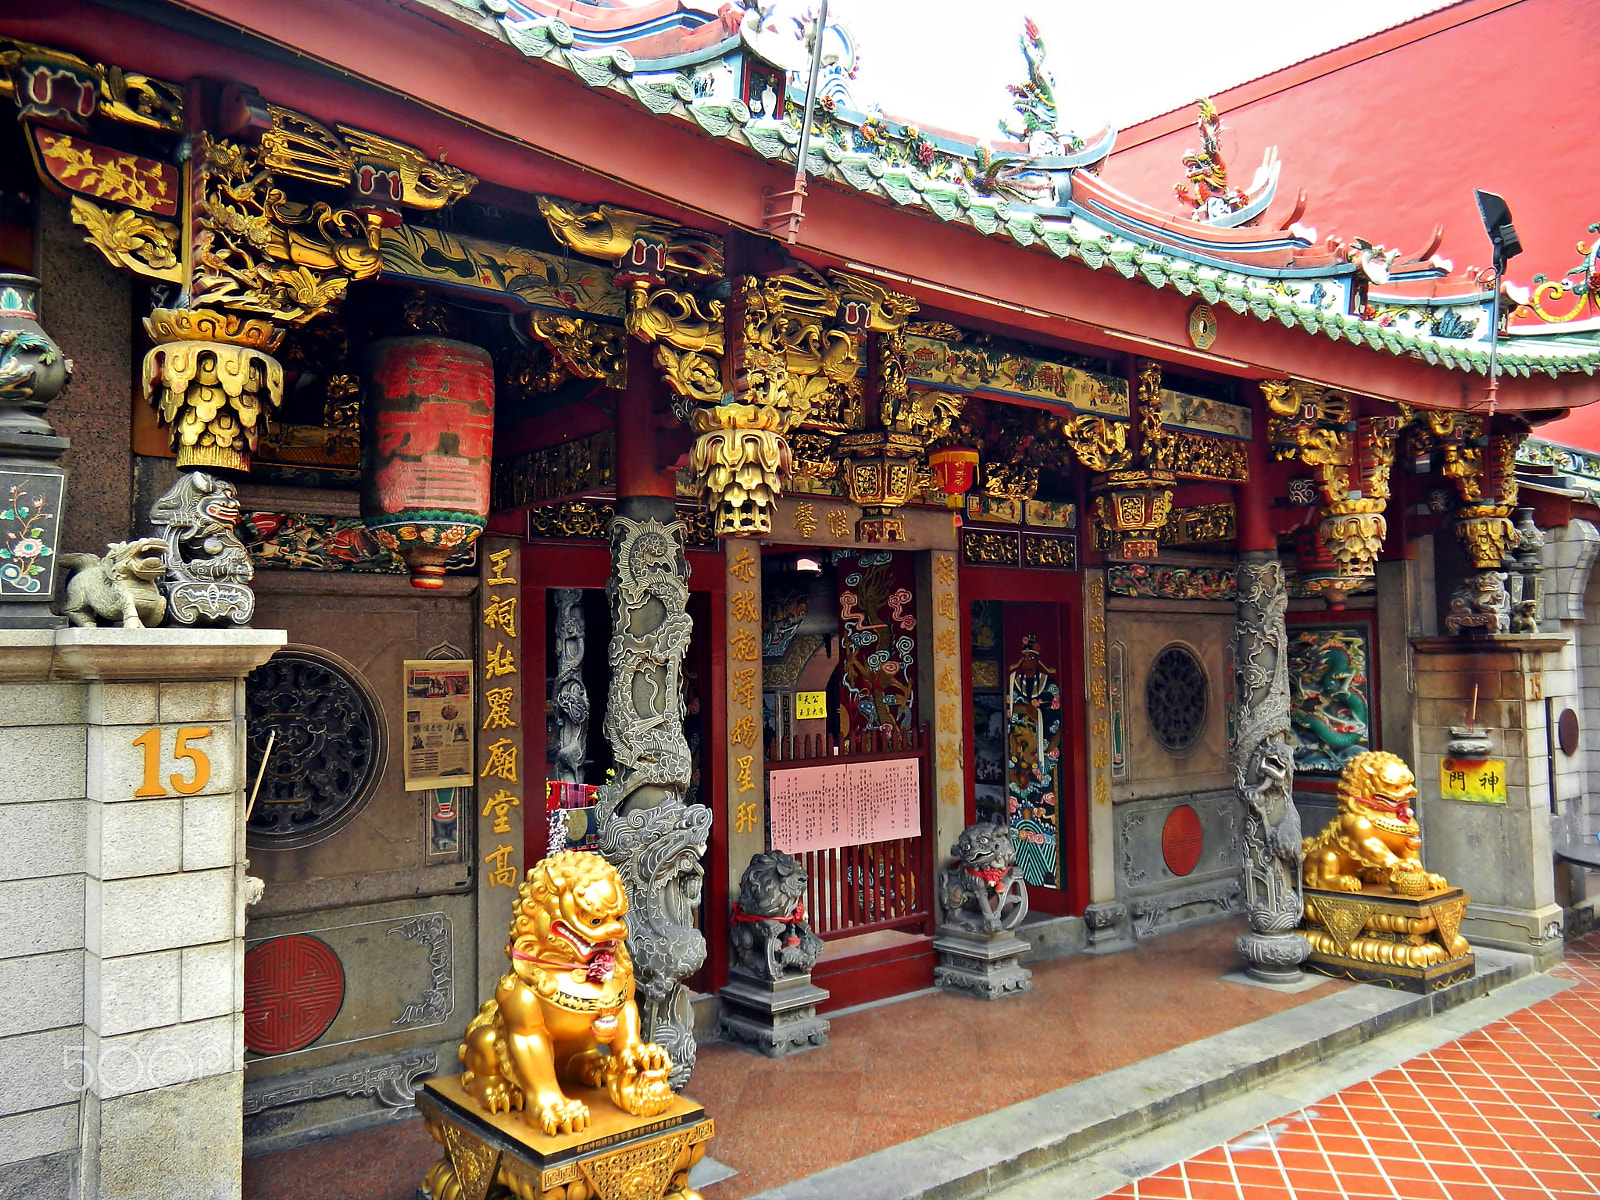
x,y
1175,696
327,746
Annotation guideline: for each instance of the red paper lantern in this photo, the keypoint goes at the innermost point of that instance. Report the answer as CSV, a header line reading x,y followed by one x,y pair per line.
x,y
430,433
954,470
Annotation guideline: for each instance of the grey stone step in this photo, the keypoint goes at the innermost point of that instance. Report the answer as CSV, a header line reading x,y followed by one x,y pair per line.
x,y
975,1158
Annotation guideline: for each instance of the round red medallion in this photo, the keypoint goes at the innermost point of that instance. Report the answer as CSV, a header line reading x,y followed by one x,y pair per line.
x,y
293,987
1182,840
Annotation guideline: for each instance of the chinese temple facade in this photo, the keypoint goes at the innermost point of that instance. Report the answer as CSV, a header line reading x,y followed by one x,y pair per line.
x,y
633,464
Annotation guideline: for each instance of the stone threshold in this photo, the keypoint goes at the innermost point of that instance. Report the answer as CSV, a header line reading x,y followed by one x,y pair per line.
x,y
973,1159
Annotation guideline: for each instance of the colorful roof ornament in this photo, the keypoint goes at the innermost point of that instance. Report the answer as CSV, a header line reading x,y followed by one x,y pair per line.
x,y
1344,289
1051,146
1573,298
1213,199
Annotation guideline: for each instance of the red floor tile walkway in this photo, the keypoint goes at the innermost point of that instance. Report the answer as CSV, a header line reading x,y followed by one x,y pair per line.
x,y
1506,1113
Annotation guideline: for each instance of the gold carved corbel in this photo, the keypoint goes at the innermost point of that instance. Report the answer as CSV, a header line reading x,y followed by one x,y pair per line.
x,y
584,348
131,240
1099,444
1352,458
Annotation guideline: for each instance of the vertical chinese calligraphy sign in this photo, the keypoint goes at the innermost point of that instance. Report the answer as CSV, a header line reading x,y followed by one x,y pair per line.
x,y
747,822
502,780
949,735
1097,688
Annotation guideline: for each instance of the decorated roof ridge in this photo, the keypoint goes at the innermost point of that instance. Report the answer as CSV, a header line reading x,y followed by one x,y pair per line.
x,y
1344,290
1578,469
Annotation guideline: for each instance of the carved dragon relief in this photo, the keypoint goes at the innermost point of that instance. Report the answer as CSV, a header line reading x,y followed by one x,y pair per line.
x,y
647,832
1263,765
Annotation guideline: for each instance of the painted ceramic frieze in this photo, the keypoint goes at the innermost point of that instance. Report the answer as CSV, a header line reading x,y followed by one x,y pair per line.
x,y
1146,581
1330,695
952,365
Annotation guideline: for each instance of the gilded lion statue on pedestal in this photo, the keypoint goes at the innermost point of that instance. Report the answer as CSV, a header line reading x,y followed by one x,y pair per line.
x,y
565,1012
1375,838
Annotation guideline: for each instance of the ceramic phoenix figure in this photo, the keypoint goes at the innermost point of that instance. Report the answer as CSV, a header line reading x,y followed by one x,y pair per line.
x,y
565,1012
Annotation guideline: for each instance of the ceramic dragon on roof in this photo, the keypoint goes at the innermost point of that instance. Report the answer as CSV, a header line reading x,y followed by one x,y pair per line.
x,y
1208,192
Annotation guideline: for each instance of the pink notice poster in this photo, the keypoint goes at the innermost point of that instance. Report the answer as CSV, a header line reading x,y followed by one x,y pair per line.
x,y
845,804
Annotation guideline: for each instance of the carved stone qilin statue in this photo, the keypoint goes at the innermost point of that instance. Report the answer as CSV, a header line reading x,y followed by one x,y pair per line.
x,y
1372,911
983,890
770,1003
771,936
208,568
119,588
1480,603
647,832
983,897
565,1012
1263,769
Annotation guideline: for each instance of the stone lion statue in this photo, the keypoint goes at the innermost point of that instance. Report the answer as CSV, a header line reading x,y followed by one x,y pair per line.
x,y
1375,838
983,890
771,936
119,588
565,1012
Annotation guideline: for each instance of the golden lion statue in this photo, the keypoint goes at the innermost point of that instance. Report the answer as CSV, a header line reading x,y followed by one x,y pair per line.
x,y
1375,838
565,1012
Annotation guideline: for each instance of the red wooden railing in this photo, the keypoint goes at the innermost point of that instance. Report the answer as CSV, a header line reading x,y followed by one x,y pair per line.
x,y
881,885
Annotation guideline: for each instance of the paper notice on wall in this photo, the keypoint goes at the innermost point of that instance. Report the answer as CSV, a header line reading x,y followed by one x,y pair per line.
x,y
844,804
438,723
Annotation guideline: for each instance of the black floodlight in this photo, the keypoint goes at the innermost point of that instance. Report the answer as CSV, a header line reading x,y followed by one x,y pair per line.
x,y
1497,224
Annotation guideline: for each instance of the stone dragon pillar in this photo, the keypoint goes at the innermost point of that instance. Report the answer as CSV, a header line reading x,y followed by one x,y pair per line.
x,y
1263,756
1263,772
647,832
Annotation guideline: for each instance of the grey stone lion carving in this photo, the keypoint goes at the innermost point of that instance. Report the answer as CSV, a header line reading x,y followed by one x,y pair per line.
x,y
1480,602
983,890
208,567
771,936
118,588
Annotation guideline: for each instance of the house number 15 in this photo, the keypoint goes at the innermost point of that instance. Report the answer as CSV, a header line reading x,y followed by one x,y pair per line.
x,y
150,742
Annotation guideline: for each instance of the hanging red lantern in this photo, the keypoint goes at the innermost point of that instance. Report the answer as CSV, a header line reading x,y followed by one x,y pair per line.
x,y
955,468
429,436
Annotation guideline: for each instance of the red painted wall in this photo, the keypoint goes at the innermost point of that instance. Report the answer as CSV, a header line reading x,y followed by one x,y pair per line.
x,y
1388,137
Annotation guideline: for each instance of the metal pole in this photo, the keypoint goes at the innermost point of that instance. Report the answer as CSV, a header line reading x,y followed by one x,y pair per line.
x,y
1494,336
810,109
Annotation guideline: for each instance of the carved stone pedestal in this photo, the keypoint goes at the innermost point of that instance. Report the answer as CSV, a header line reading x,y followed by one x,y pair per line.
x,y
983,965
1373,936
776,1019
619,1157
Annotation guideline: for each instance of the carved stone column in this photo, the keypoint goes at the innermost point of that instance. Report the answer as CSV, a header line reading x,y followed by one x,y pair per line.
x,y
647,832
1263,768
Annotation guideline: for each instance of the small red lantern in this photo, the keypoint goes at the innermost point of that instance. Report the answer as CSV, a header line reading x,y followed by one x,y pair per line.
x,y
954,470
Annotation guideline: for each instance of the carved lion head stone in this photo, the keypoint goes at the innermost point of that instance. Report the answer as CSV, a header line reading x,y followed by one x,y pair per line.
x,y
984,847
772,884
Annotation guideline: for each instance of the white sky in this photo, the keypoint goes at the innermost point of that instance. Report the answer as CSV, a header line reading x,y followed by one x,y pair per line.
x,y
946,62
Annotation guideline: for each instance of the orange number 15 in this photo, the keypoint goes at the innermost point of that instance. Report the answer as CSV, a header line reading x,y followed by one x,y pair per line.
x,y
150,742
